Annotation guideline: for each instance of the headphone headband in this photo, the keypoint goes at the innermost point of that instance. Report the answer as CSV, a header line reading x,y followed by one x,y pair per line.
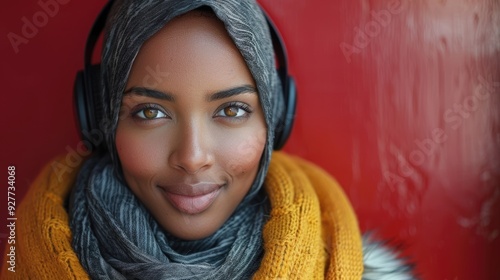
x,y
95,32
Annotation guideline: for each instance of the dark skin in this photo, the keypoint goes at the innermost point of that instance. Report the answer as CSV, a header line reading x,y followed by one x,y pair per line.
x,y
190,140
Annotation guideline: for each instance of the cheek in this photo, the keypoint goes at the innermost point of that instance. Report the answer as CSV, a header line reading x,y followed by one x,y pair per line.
x,y
140,155
243,155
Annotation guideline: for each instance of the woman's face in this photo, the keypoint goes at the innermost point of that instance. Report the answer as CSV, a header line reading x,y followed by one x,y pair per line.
x,y
191,130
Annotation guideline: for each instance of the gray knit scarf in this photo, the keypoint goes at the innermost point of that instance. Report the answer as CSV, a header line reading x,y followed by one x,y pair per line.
x,y
114,235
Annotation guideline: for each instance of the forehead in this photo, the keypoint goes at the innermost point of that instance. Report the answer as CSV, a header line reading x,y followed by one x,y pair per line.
x,y
191,49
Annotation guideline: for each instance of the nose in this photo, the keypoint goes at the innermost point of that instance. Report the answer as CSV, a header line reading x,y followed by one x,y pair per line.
x,y
191,152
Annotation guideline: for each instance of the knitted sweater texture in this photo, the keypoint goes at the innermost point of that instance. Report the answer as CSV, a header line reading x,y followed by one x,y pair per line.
x,y
312,231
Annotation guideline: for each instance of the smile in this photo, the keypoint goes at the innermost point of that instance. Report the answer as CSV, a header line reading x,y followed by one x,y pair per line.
x,y
192,199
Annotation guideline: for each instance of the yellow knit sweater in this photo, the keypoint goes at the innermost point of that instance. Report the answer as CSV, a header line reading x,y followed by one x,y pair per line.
x,y
312,232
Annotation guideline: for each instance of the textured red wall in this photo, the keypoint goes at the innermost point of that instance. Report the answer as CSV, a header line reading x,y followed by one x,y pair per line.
x,y
400,101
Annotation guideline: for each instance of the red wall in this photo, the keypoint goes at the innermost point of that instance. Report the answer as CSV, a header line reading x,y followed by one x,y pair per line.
x,y
398,100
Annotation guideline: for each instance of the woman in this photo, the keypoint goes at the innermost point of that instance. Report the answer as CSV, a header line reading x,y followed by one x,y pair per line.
x,y
189,187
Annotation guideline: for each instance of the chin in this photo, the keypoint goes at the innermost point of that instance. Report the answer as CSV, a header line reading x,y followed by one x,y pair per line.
x,y
192,228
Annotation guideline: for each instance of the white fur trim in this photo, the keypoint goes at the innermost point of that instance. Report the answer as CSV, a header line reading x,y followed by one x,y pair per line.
x,y
382,263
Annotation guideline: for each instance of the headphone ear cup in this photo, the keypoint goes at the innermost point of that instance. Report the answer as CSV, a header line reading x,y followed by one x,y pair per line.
x,y
80,103
284,127
95,103
88,106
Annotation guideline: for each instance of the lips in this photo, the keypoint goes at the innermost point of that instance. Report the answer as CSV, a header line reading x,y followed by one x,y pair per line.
x,y
192,199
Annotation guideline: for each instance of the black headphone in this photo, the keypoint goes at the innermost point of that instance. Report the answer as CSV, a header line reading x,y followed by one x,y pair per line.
x,y
87,88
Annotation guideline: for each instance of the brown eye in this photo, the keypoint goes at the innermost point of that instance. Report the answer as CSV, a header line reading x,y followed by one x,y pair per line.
x,y
150,113
234,110
231,111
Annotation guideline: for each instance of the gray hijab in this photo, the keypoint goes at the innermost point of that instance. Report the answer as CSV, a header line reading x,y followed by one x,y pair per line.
x,y
114,235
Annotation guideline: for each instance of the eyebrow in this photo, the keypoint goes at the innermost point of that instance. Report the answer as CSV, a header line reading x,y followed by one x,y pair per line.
x,y
142,91
231,92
